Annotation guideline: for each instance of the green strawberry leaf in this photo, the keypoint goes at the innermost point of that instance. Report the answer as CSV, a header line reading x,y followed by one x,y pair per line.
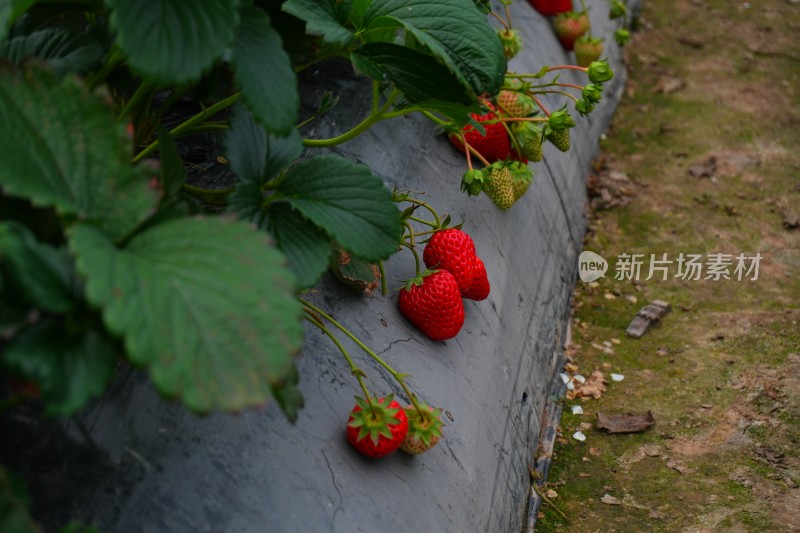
x,y
288,396
325,17
9,11
63,50
42,274
254,155
420,76
173,42
63,148
14,504
205,303
69,367
348,202
306,246
264,72
455,31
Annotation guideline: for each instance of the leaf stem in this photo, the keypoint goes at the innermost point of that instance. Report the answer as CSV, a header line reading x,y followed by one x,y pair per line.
x,y
210,196
190,123
384,289
374,117
141,91
96,78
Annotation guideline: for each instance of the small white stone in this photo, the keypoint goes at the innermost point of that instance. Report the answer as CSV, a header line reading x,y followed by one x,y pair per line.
x,y
579,436
564,377
577,410
579,378
617,377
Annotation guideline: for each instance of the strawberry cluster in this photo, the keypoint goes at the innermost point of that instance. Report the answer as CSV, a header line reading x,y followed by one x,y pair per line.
x,y
381,426
433,300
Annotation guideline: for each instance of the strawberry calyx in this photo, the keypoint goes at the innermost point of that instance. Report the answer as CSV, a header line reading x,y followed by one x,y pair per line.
x,y
374,418
472,182
424,425
599,72
511,41
417,281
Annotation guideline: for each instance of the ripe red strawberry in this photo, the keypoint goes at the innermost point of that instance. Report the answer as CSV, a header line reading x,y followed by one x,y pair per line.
x,y
551,7
454,251
494,146
378,429
588,49
569,26
479,290
432,302
424,429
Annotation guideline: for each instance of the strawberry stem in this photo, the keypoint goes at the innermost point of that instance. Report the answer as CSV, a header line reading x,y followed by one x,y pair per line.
x,y
426,222
553,91
431,210
583,8
311,316
396,375
513,138
436,120
412,246
508,13
476,153
507,26
540,104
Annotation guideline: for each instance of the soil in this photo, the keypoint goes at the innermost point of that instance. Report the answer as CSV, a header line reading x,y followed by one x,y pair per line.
x,y
701,159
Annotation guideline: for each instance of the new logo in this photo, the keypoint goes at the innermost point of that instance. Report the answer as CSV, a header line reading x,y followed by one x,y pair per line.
x,y
591,266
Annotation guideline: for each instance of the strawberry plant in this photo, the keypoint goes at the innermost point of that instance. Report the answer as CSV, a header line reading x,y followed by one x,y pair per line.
x,y
110,252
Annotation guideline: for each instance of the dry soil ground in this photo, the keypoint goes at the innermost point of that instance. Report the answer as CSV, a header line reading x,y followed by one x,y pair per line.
x,y
703,157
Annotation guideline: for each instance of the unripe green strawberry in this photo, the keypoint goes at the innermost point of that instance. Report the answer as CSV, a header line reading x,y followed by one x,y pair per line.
x,y
424,429
559,138
529,140
587,50
499,185
515,104
472,182
532,150
522,177
512,42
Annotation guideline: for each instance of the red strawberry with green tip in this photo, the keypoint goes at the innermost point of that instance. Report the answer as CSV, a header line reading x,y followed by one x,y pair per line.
x,y
569,26
424,429
587,50
452,250
515,104
479,290
377,427
432,302
494,145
